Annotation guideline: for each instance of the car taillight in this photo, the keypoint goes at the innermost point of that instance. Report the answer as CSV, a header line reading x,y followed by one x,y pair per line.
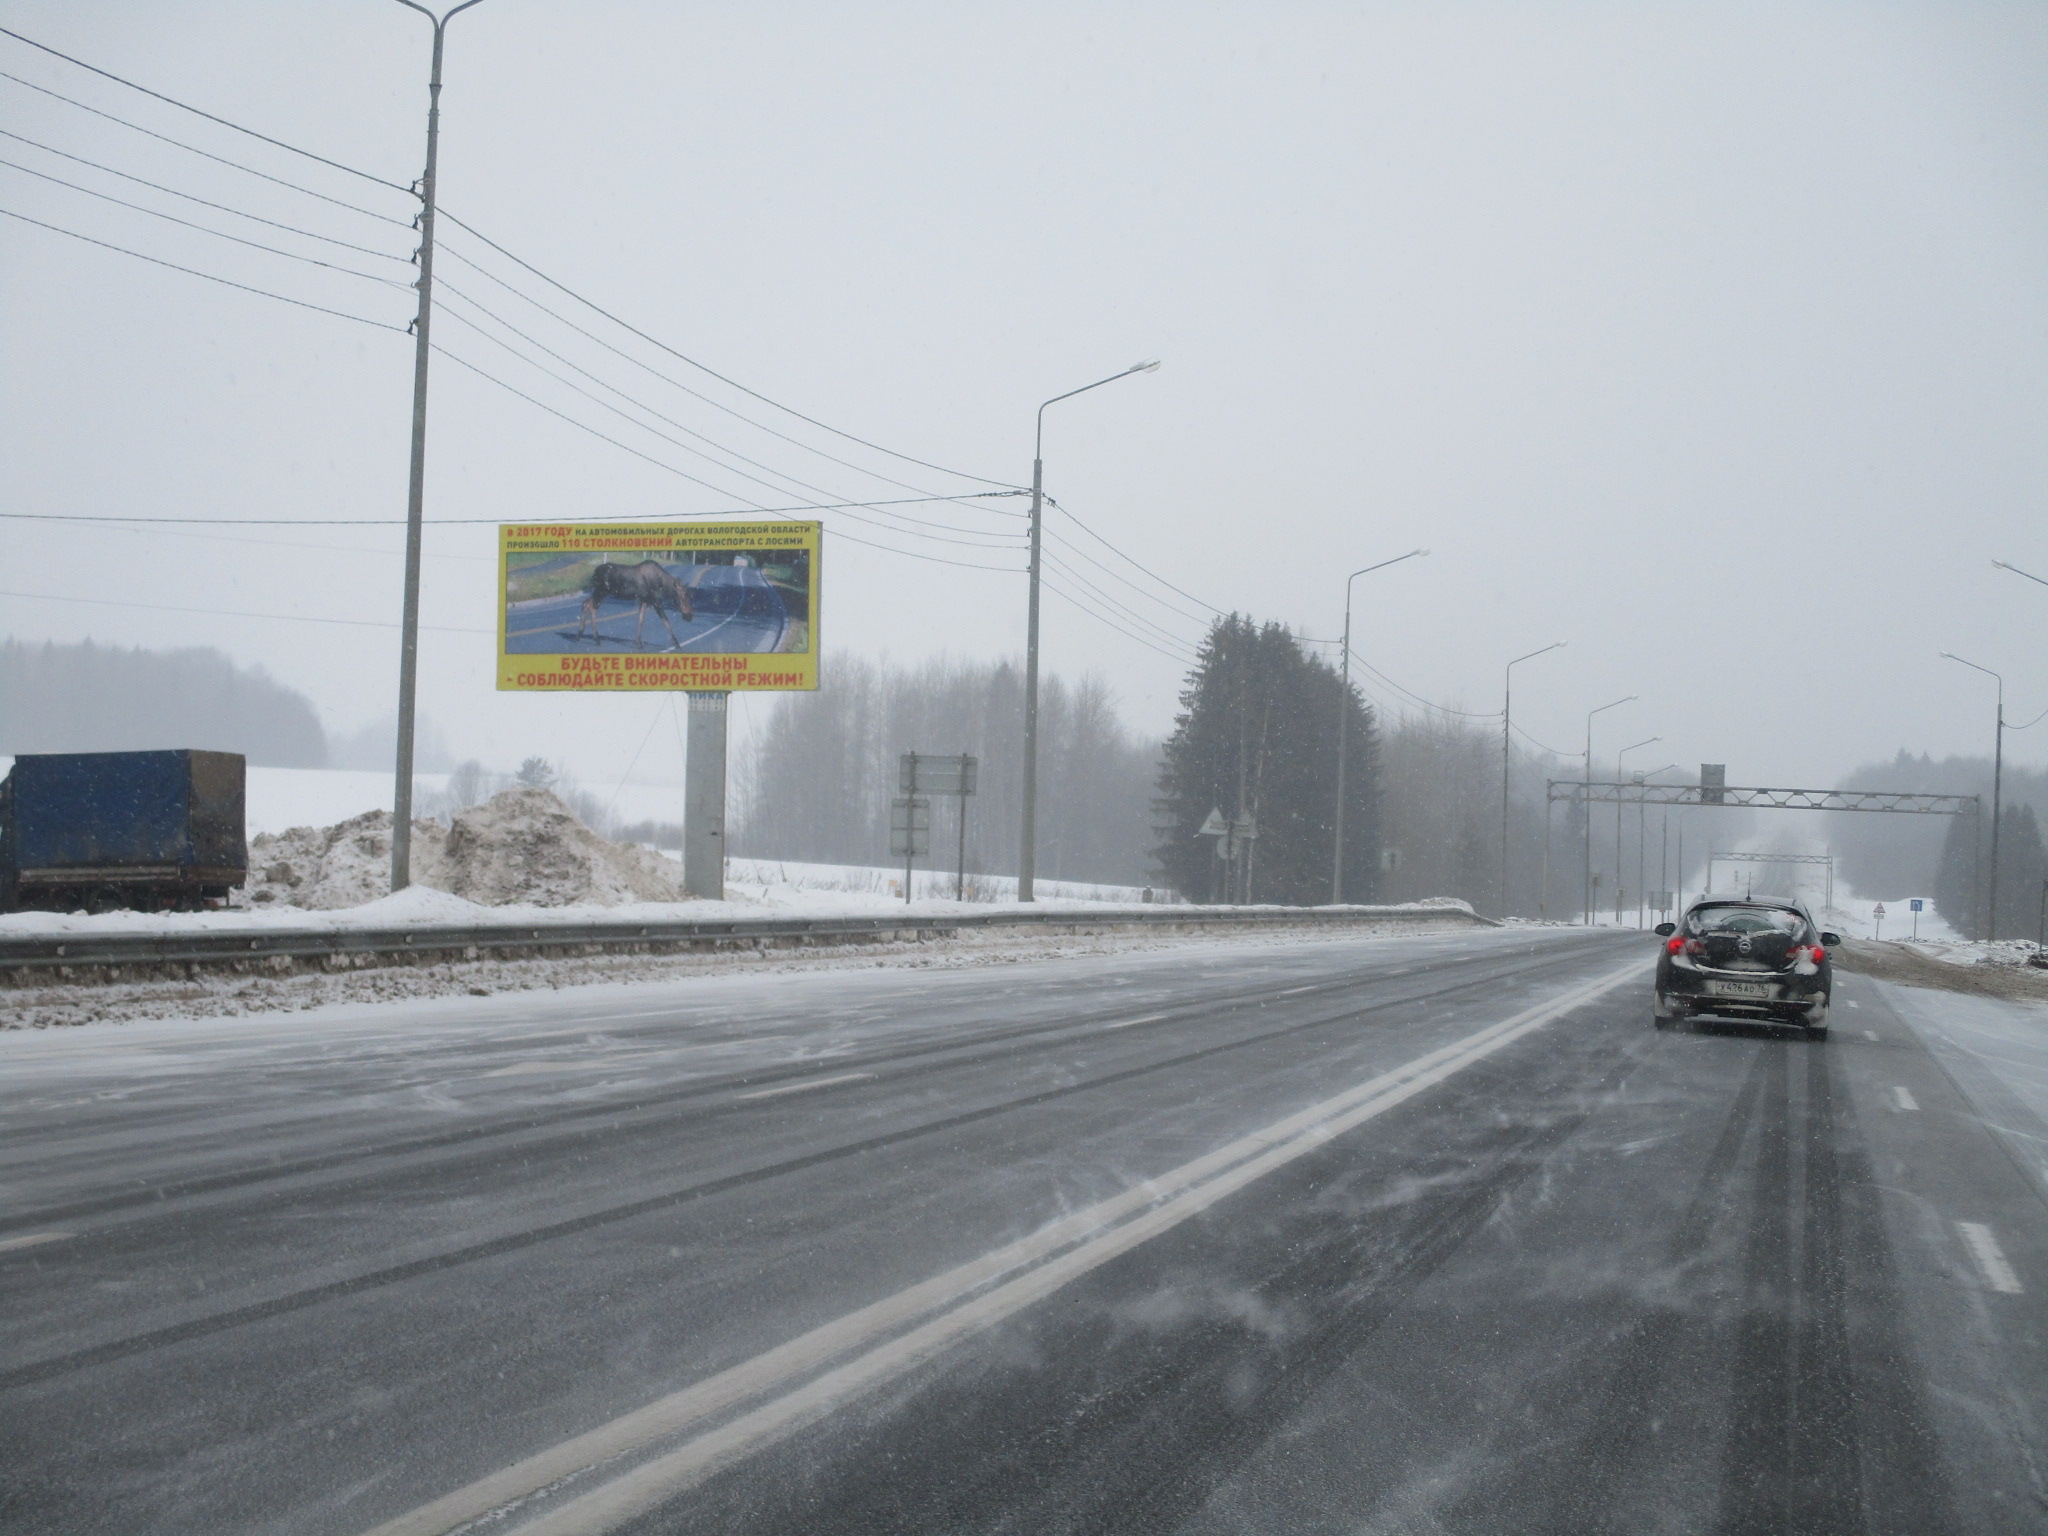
x,y
1695,948
1819,955
1674,944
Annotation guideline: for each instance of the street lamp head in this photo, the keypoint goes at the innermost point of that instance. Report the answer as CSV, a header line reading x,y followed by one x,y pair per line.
x,y
1151,366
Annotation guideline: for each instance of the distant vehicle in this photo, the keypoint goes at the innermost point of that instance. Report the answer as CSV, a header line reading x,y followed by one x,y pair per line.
x,y
1742,957
151,831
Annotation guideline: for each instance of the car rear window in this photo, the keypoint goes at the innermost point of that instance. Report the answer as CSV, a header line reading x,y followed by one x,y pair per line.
x,y
1735,917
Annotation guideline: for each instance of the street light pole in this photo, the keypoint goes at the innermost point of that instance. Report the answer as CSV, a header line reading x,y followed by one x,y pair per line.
x,y
1027,853
1344,723
409,630
1642,814
1588,807
1507,720
2003,566
1619,889
1997,785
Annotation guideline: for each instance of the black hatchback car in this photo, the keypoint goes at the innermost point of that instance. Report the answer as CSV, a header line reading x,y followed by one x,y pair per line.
x,y
1742,957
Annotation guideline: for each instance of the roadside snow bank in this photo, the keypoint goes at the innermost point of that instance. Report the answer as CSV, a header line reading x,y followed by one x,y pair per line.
x,y
522,846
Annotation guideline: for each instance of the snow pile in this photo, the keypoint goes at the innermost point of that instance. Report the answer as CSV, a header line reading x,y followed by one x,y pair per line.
x,y
520,847
1976,951
526,846
345,865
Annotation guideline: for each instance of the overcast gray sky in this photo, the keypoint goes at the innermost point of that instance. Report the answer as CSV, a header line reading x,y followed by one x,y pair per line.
x,y
1708,338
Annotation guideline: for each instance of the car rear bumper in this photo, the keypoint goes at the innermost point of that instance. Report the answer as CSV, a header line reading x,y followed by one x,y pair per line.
x,y
1744,994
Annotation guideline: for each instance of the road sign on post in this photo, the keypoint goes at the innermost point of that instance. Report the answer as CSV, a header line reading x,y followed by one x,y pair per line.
x,y
1713,783
920,773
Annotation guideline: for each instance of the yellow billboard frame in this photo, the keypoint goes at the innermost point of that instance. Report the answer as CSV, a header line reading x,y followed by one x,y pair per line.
x,y
544,567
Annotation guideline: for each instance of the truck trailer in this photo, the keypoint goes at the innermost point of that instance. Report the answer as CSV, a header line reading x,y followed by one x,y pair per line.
x,y
96,831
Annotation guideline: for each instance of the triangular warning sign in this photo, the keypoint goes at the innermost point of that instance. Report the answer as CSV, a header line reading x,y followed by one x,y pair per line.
x,y
1215,826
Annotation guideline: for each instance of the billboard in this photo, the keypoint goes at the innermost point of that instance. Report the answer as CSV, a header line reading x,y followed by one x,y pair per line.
x,y
634,607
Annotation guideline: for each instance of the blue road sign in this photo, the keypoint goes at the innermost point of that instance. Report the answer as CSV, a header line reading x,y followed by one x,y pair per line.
x,y
1917,904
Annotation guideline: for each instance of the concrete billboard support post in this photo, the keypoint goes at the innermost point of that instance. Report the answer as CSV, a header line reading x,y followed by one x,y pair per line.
x,y
704,799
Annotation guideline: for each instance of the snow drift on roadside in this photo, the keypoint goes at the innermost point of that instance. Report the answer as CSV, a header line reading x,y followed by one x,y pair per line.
x,y
520,847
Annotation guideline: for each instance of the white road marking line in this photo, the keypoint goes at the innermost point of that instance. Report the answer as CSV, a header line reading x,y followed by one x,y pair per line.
x,y
1150,1018
1852,1002
31,1239
1309,988
1871,1034
1904,1098
948,1301
521,1068
806,1087
1983,1246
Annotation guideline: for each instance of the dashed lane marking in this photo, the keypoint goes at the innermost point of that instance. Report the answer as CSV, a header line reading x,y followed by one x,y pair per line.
x,y
816,1082
1905,1099
1983,1245
1150,1018
31,1239
1292,990
1872,1035
1852,1002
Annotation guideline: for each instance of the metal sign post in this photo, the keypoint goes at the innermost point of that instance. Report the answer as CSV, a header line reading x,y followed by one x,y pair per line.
x,y
1219,829
1916,904
918,773
704,799
910,832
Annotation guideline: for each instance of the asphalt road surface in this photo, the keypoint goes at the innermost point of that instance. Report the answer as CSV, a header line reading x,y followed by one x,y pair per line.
x,y
1427,1234
736,609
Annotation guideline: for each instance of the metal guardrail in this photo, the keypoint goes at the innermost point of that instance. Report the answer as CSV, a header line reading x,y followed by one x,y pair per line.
x,y
25,958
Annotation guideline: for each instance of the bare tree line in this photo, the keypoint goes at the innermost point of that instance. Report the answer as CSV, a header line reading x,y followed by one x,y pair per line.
x,y
816,782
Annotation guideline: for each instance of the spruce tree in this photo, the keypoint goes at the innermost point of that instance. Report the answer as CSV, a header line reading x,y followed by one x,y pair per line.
x,y
1257,740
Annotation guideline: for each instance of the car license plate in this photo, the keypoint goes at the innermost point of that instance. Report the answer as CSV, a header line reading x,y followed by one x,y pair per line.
x,y
1738,989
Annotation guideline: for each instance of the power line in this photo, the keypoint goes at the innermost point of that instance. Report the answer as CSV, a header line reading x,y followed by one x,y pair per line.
x,y
1553,751
1138,565
209,155
1072,601
240,213
196,111
219,234
121,525
195,272
698,480
233,613
684,474
443,248
1112,603
452,522
1469,714
705,368
1052,537
979,538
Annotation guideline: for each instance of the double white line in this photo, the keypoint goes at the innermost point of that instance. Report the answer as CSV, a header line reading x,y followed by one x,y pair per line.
x,y
937,1314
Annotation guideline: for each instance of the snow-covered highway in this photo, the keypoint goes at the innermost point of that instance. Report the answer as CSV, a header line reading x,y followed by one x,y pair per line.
x,y
1427,1233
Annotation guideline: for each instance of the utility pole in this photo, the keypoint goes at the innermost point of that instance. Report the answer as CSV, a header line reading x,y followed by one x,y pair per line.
x,y
409,631
1027,853
1344,726
1997,787
1588,800
1507,720
1619,891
